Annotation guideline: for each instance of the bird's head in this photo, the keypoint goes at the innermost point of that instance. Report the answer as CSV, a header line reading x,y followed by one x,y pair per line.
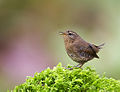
x,y
69,35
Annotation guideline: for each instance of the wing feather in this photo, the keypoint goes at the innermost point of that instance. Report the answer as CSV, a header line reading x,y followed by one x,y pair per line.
x,y
86,51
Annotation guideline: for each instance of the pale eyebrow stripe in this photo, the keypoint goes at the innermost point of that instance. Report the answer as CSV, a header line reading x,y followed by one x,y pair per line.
x,y
72,32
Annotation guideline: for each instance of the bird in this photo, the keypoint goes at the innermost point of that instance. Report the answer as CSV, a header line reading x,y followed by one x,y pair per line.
x,y
78,49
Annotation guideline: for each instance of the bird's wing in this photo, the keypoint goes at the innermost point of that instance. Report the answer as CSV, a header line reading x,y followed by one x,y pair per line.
x,y
86,51
93,51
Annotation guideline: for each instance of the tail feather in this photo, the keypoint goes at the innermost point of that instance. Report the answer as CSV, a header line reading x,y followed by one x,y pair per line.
x,y
100,46
94,52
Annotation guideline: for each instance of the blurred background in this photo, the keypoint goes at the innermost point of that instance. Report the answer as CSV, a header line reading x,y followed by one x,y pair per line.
x,y
29,39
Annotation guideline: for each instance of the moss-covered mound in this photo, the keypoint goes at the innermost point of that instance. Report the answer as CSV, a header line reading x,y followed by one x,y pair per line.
x,y
60,79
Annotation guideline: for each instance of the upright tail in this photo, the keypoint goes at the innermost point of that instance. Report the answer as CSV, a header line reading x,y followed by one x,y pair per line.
x,y
100,46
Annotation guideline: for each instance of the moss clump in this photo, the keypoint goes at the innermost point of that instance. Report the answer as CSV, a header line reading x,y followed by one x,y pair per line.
x,y
60,79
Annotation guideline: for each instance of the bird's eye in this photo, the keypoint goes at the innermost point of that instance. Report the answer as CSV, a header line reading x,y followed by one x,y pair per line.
x,y
70,34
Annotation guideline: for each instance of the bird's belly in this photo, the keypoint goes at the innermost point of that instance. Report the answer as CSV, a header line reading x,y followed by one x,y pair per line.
x,y
73,57
78,59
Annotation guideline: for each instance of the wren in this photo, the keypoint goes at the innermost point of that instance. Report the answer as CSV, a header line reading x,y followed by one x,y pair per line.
x,y
78,49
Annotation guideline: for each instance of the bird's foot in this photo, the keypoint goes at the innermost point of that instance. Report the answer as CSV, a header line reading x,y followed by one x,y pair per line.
x,y
69,68
79,66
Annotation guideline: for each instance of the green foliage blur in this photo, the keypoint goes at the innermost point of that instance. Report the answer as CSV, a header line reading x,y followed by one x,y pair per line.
x,y
60,79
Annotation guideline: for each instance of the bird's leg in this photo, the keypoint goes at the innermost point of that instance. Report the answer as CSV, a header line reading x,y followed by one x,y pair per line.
x,y
81,65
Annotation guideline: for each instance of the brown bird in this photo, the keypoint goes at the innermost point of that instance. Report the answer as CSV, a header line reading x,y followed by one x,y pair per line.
x,y
78,49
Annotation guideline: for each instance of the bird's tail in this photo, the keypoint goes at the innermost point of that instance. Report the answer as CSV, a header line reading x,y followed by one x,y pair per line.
x,y
100,46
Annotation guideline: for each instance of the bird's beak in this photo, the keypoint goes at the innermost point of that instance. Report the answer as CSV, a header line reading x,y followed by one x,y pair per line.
x,y
62,33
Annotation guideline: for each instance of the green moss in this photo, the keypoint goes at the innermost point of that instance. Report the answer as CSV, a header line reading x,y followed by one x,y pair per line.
x,y
60,79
